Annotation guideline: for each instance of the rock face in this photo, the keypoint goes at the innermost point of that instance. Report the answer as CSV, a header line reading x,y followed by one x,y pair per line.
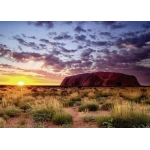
x,y
100,79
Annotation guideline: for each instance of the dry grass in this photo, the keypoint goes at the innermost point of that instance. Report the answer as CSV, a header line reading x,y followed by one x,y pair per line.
x,y
127,102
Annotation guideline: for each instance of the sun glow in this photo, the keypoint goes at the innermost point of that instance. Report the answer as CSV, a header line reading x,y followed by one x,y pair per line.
x,y
20,83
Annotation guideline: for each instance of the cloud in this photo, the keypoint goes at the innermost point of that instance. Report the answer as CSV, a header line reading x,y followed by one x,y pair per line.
x,y
46,24
1,35
27,56
92,36
6,66
33,45
67,51
105,33
133,41
5,52
90,30
25,36
80,37
146,25
102,43
63,36
68,22
20,48
86,53
45,41
3,46
79,29
113,24
52,33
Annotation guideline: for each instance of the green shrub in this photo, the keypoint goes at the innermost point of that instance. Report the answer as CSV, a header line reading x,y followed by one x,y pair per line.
x,y
89,107
71,102
103,121
2,123
62,118
134,120
89,118
67,103
42,113
11,111
24,106
107,106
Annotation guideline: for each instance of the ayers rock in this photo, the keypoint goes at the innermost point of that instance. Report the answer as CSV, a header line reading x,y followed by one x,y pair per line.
x,y
100,79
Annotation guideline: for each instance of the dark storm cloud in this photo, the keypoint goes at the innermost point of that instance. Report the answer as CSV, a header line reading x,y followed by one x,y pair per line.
x,y
80,37
113,24
79,29
47,24
137,41
63,36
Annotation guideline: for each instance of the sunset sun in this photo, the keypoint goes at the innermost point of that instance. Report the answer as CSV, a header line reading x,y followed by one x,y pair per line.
x,y
20,83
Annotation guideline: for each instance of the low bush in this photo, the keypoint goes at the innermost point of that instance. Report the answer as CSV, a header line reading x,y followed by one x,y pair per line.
x,y
42,113
24,106
11,111
107,106
89,118
62,118
104,121
89,107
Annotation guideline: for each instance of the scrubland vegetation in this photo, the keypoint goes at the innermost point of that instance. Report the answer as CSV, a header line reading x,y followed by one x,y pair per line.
x,y
104,107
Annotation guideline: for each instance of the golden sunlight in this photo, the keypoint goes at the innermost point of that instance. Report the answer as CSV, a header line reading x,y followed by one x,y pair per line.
x,y
20,83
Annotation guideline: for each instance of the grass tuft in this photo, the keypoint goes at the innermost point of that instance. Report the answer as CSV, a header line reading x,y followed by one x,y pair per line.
x,y
62,118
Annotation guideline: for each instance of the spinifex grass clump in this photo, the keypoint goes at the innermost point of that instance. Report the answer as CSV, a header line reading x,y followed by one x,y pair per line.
x,y
129,115
89,118
24,106
89,107
43,113
11,111
104,121
62,118
107,106
71,102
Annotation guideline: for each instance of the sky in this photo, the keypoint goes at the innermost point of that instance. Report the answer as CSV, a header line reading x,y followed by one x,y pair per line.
x,y
45,52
